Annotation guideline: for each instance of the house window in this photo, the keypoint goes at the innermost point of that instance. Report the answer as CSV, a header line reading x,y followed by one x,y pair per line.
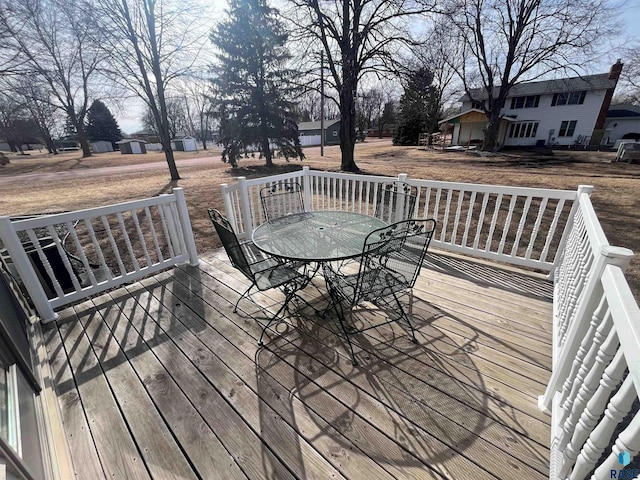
x,y
567,128
568,98
530,101
523,130
477,105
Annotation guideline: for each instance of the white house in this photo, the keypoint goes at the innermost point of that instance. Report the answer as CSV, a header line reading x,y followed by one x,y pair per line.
x,y
565,111
621,120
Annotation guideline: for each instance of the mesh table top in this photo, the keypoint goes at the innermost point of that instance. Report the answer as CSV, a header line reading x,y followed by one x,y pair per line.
x,y
316,236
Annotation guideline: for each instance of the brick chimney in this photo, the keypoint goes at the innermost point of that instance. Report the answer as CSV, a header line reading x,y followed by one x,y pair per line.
x,y
614,74
615,70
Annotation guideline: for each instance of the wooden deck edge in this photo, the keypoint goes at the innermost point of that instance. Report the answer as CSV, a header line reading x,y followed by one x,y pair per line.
x,y
57,453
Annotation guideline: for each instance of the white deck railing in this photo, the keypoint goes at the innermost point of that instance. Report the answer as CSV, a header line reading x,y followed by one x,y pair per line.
x,y
521,226
596,321
596,360
70,256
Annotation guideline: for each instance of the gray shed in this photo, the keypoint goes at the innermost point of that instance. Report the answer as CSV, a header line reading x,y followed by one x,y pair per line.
x,y
185,144
132,145
101,146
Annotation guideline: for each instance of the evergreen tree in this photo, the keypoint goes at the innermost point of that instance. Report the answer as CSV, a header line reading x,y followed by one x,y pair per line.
x,y
253,83
415,113
101,124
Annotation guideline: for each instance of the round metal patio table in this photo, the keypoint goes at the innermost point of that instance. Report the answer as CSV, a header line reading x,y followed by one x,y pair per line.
x,y
316,236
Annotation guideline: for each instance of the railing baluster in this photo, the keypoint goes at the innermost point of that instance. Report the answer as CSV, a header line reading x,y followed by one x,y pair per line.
x,y
523,219
552,230
445,219
114,245
63,255
494,222
485,201
96,246
154,235
165,231
457,219
79,249
536,228
127,241
507,224
45,262
600,438
467,226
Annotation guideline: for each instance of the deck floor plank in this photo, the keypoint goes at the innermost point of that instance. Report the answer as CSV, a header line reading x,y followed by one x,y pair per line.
x,y
119,455
83,451
247,448
206,352
461,404
341,373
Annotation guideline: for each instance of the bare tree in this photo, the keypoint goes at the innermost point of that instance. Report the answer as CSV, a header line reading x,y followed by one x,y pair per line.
x,y
36,99
358,37
53,42
630,77
505,42
199,101
150,43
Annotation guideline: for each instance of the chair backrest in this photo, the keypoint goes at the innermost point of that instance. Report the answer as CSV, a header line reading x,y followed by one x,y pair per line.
x,y
398,248
280,199
395,201
230,242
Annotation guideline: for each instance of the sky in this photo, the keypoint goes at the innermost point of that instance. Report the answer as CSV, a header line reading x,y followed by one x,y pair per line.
x,y
129,119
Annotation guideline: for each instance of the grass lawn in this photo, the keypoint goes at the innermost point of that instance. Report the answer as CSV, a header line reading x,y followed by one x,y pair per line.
x,y
30,185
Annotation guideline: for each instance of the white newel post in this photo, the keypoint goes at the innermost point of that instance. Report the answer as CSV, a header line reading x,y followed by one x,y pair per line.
x,y
306,188
609,255
244,205
582,189
228,207
29,277
187,231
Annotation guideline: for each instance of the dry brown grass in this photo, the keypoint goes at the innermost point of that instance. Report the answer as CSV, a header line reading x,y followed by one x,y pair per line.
x,y
616,196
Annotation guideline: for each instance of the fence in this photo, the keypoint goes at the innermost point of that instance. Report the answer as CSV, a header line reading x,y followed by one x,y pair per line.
x,y
595,377
66,257
522,226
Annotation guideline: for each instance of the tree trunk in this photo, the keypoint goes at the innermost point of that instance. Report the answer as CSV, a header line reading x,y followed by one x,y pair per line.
x,y
348,128
490,142
84,143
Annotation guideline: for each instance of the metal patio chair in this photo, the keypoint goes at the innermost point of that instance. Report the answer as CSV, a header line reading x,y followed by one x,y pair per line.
x,y
390,264
264,271
281,199
395,201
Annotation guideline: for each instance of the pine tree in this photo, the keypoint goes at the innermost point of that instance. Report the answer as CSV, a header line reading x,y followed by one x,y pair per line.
x,y
101,124
254,82
415,108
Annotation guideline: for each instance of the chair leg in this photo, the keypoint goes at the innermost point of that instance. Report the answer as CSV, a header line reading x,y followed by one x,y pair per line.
x,y
235,309
274,318
404,315
335,300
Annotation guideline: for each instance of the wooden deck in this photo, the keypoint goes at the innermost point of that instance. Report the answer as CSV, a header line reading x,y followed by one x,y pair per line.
x,y
162,380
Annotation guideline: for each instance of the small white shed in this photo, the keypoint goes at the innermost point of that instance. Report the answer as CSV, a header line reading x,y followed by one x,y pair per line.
x,y
185,144
101,146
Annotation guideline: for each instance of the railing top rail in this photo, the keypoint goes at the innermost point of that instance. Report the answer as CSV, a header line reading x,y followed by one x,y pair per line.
x,y
44,221
595,232
478,187
626,315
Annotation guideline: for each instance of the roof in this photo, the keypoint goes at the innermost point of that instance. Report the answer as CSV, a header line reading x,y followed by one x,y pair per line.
x,y
130,140
623,110
457,115
600,81
185,137
316,125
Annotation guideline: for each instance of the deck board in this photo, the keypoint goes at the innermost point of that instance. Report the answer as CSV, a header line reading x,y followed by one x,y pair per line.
x,y
189,393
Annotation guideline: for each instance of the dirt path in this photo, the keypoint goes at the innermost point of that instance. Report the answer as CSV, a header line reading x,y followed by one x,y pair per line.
x,y
92,172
